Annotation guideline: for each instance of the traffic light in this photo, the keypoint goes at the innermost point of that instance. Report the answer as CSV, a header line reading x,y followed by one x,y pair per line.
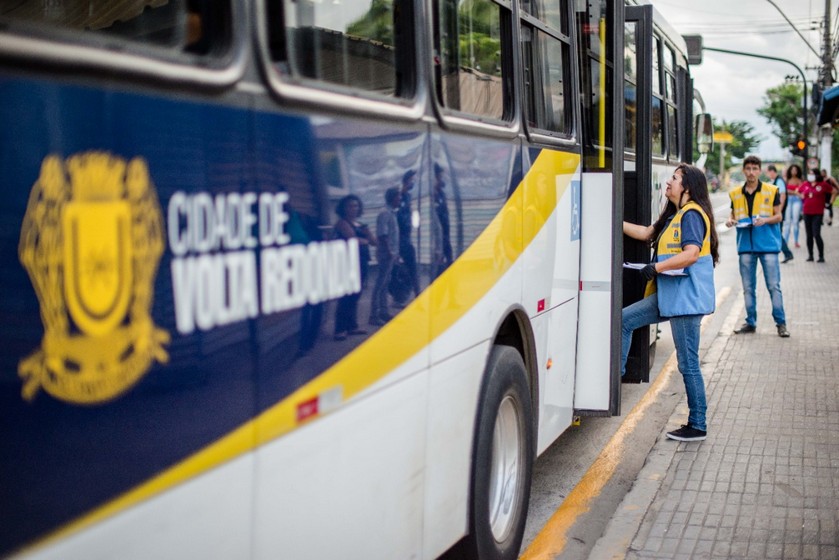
x,y
799,147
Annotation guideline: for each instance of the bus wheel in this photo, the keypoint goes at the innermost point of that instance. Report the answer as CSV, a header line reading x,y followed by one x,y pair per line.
x,y
502,460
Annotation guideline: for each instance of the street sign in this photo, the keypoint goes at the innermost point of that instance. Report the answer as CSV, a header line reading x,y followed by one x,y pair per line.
x,y
812,163
723,137
694,45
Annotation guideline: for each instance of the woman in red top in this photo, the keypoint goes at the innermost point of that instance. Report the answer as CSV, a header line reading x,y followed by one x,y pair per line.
x,y
815,195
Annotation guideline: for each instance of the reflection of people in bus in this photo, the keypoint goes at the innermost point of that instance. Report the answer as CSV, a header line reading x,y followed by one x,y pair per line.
x,y
404,218
304,229
349,209
684,239
443,253
387,253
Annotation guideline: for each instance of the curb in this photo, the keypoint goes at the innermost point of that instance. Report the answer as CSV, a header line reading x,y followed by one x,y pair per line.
x,y
627,522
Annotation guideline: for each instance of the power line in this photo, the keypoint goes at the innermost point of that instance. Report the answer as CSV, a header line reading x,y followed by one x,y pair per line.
x,y
794,27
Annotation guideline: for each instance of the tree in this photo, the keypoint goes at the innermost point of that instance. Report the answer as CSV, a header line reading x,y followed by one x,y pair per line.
x,y
376,24
745,142
783,110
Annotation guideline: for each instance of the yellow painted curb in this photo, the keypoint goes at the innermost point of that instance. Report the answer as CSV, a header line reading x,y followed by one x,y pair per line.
x,y
551,540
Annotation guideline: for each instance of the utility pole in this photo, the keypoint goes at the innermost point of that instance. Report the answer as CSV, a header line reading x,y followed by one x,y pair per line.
x,y
826,82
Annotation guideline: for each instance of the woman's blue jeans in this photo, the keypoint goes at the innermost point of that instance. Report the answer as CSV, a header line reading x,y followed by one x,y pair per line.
x,y
685,329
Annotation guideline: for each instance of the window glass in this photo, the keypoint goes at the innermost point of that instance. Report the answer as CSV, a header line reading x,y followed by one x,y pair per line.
x,y
471,68
592,24
630,89
176,26
545,64
673,129
658,126
656,67
600,129
547,11
630,51
596,81
354,45
669,57
671,86
630,97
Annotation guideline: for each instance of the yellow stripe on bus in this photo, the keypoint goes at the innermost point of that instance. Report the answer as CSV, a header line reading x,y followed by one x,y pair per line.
x,y
471,276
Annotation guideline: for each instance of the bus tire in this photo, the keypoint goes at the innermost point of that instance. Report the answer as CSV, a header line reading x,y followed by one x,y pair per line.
x,y
502,460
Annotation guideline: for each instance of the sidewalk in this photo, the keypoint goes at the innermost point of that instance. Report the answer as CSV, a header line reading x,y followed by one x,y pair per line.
x,y
765,484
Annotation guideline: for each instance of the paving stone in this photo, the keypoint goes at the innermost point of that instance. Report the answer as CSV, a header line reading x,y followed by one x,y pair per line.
x,y
765,483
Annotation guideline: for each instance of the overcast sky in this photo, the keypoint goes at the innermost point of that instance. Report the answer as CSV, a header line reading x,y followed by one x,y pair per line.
x,y
734,87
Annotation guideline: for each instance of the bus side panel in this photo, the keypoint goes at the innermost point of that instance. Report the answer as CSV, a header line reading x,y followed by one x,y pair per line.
x,y
594,346
97,397
556,335
481,226
453,403
482,176
365,452
550,294
350,484
208,517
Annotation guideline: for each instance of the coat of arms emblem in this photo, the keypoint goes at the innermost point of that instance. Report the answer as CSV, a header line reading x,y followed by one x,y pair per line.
x,y
91,242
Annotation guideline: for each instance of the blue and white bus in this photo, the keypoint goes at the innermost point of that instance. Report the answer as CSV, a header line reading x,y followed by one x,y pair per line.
x,y
305,279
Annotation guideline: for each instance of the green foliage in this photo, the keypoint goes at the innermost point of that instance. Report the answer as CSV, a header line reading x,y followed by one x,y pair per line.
x,y
783,110
477,20
745,142
483,55
482,13
376,24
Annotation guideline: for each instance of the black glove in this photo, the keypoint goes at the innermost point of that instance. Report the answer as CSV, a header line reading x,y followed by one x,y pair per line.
x,y
649,272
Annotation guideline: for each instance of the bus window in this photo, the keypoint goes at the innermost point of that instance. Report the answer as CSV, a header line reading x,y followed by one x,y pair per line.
x,y
359,46
177,26
630,87
551,13
547,74
672,103
596,78
673,131
669,69
471,66
590,16
658,102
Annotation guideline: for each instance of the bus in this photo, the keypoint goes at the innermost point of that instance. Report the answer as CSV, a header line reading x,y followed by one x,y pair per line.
x,y
306,279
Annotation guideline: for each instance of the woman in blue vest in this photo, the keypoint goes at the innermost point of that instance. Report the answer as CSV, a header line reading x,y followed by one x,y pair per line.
x,y
680,283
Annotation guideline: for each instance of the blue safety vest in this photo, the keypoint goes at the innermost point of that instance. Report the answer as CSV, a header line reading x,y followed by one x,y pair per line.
x,y
692,294
762,239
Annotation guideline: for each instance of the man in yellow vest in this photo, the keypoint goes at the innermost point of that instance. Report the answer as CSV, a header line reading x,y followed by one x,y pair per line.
x,y
756,211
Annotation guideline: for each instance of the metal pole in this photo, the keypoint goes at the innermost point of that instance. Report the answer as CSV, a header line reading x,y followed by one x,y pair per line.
x,y
825,152
791,63
827,68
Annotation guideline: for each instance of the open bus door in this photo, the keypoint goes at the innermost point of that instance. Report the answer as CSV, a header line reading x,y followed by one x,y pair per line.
x,y
637,179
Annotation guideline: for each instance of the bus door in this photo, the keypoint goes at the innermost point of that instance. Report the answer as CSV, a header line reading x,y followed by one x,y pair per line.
x,y
600,41
638,68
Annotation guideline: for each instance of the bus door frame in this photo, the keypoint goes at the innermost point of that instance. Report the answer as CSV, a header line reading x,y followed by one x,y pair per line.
x,y
597,373
638,191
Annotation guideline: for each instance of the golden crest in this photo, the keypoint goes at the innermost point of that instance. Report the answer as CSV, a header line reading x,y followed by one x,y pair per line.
x,y
97,264
91,241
